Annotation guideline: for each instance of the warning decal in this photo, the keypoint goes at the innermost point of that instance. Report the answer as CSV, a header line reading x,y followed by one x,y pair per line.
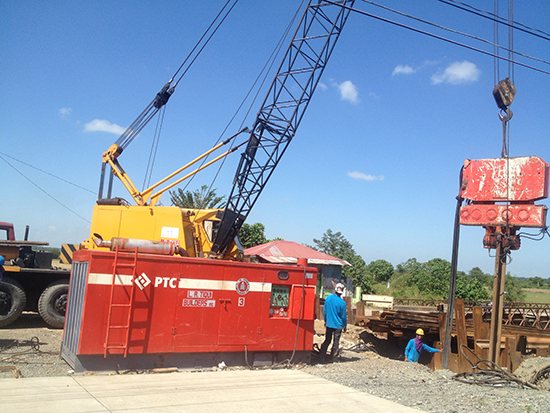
x,y
242,286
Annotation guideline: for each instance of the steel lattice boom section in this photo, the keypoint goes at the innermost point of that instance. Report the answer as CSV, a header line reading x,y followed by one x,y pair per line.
x,y
282,110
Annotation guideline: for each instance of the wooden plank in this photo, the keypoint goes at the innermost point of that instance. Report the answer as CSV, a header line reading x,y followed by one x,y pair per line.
x,y
515,360
442,324
348,307
453,363
436,362
481,329
359,309
318,315
462,338
509,345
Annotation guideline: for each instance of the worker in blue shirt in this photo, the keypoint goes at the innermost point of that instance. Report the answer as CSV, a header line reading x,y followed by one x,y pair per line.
x,y
2,261
416,346
336,320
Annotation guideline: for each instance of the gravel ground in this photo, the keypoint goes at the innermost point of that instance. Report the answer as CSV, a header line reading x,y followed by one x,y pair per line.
x,y
409,384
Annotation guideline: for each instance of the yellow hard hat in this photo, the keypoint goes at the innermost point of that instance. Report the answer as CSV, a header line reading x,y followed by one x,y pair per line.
x,y
420,332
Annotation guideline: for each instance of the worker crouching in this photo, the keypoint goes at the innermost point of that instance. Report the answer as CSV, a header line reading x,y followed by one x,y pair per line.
x,y
416,346
336,319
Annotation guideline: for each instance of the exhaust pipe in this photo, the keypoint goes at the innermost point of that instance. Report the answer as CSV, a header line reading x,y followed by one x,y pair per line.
x,y
143,246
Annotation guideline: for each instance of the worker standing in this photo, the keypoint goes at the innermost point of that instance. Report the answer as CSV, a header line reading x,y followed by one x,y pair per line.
x,y
336,320
416,346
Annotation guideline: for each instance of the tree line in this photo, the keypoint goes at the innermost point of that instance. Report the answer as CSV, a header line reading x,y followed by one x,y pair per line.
x,y
409,279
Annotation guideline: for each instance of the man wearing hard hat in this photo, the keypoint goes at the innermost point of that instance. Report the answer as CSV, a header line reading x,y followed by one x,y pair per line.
x,y
416,346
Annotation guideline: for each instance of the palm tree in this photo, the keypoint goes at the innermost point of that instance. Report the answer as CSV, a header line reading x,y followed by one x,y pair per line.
x,y
199,199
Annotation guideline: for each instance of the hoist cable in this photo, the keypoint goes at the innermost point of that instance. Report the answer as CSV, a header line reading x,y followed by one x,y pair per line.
x,y
202,37
207,41
495,17
153,107
511,40
494,44
146,116
496,62
153,152
475,49
264,72
46,193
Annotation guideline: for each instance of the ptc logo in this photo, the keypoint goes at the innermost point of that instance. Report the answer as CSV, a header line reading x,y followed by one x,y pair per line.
x,y
142,281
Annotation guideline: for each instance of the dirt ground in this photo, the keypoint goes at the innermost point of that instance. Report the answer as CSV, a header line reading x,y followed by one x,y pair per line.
x,y
30,348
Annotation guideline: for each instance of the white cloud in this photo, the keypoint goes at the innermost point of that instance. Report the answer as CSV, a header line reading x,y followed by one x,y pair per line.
x,y
322,86
373,95
457,73
65,112
348,91
99,125
365,177
403,70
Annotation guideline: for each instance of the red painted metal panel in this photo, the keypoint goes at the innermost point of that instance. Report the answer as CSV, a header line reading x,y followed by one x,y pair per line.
x,y
192,305
505,179
533,216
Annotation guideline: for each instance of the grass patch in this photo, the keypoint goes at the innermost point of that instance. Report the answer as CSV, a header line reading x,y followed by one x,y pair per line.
x,y
536,296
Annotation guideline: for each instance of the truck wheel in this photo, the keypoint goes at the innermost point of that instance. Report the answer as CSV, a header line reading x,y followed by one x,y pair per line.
x,y
12,301
53,303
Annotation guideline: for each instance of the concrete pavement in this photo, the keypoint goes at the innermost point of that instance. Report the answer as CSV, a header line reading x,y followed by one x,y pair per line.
x,y
229,391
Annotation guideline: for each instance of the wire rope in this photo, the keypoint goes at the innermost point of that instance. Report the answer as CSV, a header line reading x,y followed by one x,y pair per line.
x,y
495,17
47,173
475,49
154,148
44,191
261,75
495,44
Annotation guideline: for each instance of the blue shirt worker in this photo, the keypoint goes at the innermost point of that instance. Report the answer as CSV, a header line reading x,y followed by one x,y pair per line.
x,y
416,346
336,320
2,261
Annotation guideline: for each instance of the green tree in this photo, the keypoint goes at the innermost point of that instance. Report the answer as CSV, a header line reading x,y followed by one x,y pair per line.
x,y
432,279
538,282
199,199
359,274
252,235
513,291
484,279
334,244
470,288
338,246
381,270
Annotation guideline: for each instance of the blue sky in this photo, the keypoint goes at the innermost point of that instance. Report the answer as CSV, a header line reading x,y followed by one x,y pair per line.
x,y
377,155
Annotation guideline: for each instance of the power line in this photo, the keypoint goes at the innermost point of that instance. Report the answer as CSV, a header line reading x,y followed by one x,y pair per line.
x,y
439,37
494,44
496,18
59,202
47,173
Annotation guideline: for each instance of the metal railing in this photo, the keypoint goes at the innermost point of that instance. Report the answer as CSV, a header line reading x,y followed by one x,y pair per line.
x,y
535,315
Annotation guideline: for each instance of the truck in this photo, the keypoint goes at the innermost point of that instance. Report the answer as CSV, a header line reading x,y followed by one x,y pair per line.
x,y
30,282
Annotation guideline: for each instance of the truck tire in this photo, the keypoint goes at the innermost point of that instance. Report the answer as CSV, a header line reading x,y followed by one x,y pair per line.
x,y
53,303
12,301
